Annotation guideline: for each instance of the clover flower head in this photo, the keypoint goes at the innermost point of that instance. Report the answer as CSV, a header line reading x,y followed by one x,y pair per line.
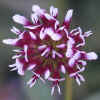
x,y
49,49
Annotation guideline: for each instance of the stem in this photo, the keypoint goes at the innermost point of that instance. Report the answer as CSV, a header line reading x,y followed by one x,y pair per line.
x,y
68,88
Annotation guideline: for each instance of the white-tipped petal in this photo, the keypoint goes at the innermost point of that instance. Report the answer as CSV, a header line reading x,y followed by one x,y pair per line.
x,y
20,19
47,16
72,74
61,79
81,78
34,18
15,30
61,46
31,67
25,50
82,62
54,36
73,59
11,66
19,66
80,30
81,69
61,28
52,90
78,81
91,56
69,15
42,34
16,56
54,53
58,54
32,27
81,36
63,70
42,47
13,69
53,11
17,50
47,74
71,62
59,90
10,41
21,35
69,51
38,75
56,24
31,82
73,32
33,36
45,51
51,79
67,33
36,9
88,33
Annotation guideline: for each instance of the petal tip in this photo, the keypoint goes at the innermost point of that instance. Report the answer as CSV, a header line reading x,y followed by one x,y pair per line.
x,y
35,8
20,19
92,56
69,15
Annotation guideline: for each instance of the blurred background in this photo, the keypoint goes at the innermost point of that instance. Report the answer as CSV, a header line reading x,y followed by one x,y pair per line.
x,y
86,15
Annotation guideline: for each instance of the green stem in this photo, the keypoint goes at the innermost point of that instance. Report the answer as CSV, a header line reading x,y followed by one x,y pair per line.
x,y
68,88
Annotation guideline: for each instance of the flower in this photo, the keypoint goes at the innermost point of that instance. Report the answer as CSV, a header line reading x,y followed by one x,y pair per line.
x,y
47,49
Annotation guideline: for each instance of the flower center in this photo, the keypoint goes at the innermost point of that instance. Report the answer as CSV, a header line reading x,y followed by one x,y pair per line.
x,y
52,52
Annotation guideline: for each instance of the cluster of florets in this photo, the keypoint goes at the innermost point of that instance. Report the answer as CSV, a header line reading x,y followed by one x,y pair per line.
x,y
49,50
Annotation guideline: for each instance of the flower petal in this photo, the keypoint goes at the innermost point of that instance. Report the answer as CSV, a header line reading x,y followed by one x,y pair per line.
x,y
69,51
42,34
63,70
34,18
91,56
25,50
36,9
45,51
19,65
73,59
82,62
52,90
16,56
32,66
15,30
68,18
53,11
10,41
54,36
59,90
33,36
47,74
20,19
42,47
88,33
31,82
61,46
69,15
81,78
78,81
